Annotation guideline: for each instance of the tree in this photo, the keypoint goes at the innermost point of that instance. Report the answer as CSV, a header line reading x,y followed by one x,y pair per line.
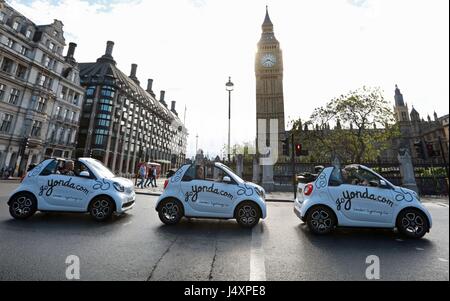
x,y
364,126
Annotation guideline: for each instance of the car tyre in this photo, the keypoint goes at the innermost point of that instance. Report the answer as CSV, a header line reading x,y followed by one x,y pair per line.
x,y
248,214
170,212
101,209
22,206
321,220
412,223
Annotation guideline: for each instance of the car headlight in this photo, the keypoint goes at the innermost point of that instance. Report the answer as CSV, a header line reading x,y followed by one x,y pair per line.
x,y
260,193
118,187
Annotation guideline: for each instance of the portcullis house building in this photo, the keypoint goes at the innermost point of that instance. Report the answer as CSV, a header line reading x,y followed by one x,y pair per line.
x,y
123,124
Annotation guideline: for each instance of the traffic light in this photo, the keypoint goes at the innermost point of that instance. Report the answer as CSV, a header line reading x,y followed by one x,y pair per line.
x,y
298,150
285,144
24,145
430,150
419,150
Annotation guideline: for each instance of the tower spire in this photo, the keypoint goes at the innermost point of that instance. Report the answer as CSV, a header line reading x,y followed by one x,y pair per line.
x,y
267,25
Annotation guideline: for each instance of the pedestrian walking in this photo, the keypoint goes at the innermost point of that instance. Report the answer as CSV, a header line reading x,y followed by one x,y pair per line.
x,y
149,176
155,175
142,175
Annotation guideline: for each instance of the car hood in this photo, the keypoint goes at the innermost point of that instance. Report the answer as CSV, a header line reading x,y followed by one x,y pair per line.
x,y
124,182
255,186
406,194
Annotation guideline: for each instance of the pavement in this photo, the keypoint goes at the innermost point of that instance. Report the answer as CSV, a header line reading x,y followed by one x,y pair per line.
x,y
137,246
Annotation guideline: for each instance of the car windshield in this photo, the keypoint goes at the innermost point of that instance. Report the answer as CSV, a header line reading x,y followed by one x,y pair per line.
x,y
227,169
101,169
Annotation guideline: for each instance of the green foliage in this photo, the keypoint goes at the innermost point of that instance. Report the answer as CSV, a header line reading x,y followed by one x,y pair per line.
x,y
364,125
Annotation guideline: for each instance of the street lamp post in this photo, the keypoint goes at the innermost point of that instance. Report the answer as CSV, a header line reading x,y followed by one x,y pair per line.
x,y
230,87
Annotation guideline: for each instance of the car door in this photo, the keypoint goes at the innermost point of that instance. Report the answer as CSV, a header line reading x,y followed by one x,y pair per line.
x,y
81,190
222,195
193,186
48,179
359,200
64,192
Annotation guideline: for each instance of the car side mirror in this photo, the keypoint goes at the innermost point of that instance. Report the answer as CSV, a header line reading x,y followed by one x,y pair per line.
x,y
374,184
226,179
85,174
383,184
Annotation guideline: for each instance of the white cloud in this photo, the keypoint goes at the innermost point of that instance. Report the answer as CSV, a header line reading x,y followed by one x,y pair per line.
x,y
190,47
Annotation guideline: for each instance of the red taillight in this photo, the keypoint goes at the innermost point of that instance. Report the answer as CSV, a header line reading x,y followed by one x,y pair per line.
x,y
309,189
166,183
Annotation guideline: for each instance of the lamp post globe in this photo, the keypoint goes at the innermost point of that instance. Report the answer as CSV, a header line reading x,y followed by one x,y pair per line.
x,y
229,87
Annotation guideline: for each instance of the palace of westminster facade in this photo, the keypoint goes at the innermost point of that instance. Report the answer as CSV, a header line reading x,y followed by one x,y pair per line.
x,y
52,106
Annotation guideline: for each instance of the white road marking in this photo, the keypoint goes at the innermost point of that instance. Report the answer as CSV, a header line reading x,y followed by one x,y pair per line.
x,y
257,261
443,260
399,240
420,249
436,205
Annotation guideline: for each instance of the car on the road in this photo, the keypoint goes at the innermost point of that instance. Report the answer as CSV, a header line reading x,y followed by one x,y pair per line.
x,y
356,196
305,178
197,191
89,188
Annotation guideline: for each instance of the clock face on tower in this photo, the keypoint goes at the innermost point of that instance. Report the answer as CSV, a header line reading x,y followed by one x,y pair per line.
x,y
268,60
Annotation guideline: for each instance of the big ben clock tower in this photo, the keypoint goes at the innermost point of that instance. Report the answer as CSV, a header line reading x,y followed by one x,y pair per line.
x,y
269,80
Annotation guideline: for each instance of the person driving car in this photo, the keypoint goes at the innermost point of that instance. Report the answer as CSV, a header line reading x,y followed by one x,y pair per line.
x,y
200,174
68,169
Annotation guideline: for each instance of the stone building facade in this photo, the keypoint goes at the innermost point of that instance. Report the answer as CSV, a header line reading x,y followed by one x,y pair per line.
x,y
40,92
123,124
419,134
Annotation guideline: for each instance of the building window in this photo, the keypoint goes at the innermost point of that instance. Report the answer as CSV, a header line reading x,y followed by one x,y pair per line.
x,y
7,65
55,33
46,60
63,93
108,91
10,43
76,99
101,137
29,33
90,92
2,91
24,50
41,80
61,136
66,113
21,72
6,123
44,81
51,46
16,25
70,96
58,111
14,96
41,104
69,134
36,129
2,16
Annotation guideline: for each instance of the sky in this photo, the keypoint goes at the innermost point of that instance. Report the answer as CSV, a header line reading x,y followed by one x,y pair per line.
x,y
191,47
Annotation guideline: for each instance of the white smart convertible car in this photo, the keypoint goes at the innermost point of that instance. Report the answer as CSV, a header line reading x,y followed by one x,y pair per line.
x,y
196,191
356,196
88,187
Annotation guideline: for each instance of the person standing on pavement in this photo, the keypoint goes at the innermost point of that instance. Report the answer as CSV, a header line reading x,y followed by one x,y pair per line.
x,y
142,175
155,175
